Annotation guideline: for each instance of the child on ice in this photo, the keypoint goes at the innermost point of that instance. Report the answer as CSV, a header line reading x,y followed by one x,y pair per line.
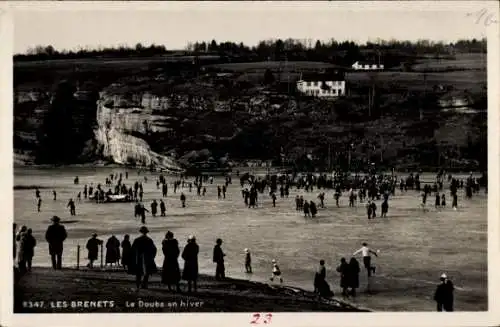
x,y
276,272
248,261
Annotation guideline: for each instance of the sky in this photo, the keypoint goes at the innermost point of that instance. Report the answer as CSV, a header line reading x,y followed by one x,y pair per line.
x,y
70,26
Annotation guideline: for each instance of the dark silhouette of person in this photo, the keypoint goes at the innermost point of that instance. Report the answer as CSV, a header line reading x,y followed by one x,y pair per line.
x,y
112,250
190,256
444,294
72,208
248,261
218,258
320,284
55,236
27,245
163,208
343,269
353,275
143,256
154,208
171,273
313,209
183,200
126,251
93,249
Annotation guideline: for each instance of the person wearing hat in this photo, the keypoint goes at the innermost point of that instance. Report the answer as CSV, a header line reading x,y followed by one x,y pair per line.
x,y
143,255
248,261
190,256
218,258
444,294
93,249
171,273
55,236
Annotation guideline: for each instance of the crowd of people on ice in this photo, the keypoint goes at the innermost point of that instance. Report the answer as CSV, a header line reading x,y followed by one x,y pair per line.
x,y
138,257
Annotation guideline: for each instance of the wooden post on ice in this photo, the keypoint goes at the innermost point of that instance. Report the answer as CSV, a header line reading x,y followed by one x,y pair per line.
x,y
101,256
78,257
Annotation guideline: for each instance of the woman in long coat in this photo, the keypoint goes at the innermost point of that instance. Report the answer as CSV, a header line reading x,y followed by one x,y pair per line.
x,y
343,269
27,249
93,248
190,256
320,284
171,273
126,251
353,276
112,250
143,258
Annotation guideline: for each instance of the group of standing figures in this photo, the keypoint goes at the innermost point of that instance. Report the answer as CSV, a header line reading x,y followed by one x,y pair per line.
x,y
139,260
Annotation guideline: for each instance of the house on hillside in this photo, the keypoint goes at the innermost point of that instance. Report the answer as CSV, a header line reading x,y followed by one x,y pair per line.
x,y
455,100
322,85
362,65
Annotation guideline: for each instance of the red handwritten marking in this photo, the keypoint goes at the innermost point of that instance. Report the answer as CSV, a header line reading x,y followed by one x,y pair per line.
x,y
256,317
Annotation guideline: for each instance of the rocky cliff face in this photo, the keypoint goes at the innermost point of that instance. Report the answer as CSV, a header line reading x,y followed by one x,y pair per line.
x,y
120,131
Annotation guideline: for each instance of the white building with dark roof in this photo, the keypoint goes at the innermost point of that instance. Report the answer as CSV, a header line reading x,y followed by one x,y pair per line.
x,y
323,86
362,65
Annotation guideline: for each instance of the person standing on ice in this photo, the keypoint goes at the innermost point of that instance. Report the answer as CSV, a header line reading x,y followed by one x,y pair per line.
x,y
276,272
183,200
367,259
163,208
154,208
248,261
71,205
39,204
444,294
218,258
55,236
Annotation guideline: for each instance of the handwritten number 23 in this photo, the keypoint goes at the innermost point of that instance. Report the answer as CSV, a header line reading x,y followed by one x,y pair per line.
x,y
257,318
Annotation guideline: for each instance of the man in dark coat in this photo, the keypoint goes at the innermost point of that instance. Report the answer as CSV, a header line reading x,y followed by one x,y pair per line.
x,y
143,255
55,236
93,248
190,256
444,294
154,208
218,258
171,273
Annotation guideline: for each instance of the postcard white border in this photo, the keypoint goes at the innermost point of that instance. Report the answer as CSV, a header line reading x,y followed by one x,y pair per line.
x,y
240,319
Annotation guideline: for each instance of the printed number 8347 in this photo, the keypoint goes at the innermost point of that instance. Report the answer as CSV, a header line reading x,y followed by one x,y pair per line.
x,y
259,318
